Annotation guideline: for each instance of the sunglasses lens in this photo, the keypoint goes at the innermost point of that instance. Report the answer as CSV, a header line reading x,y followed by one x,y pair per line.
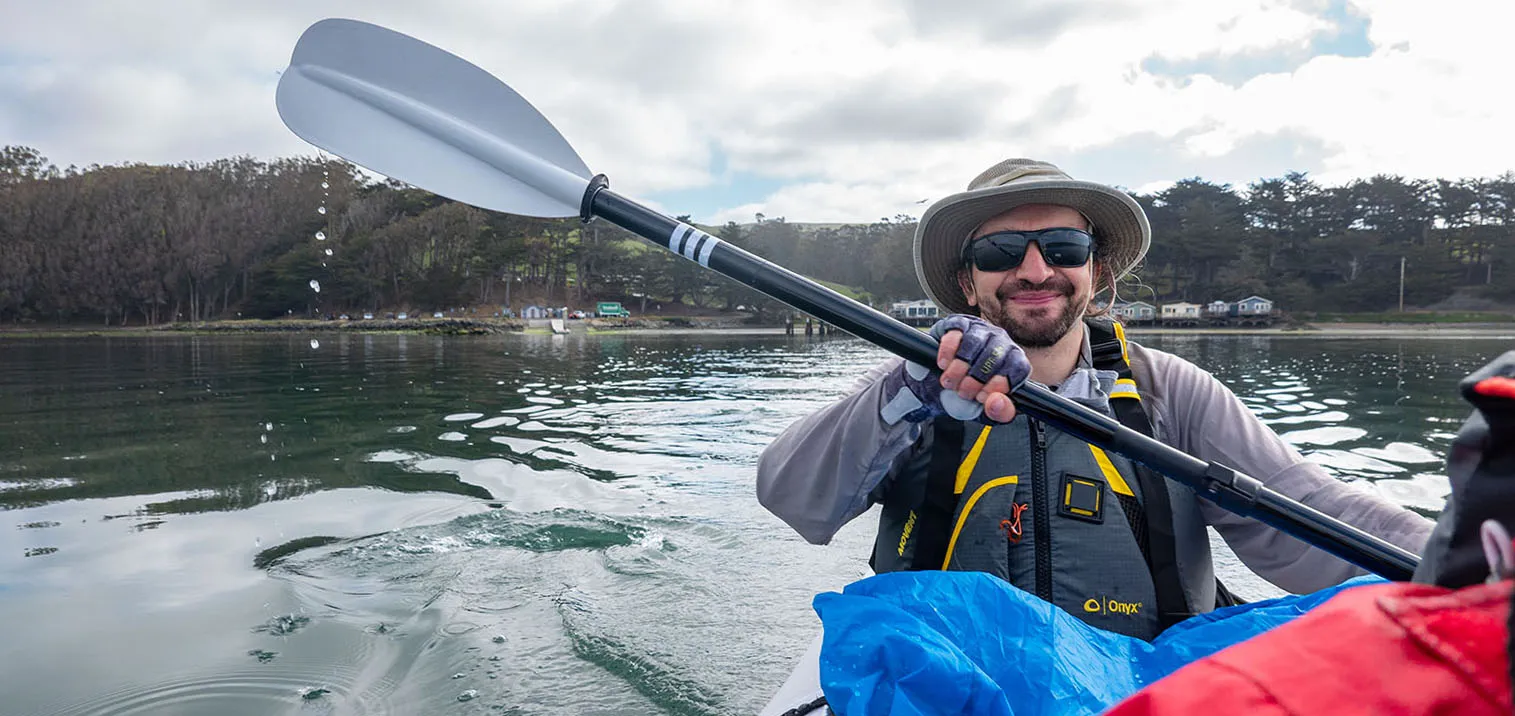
x,y
997,254
1065,254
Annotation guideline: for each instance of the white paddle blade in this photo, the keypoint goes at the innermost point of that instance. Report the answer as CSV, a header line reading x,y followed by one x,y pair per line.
x,y
416,113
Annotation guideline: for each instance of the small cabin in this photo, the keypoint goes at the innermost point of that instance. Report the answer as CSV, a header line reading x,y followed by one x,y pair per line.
x,y
533,311
1134,311
1217,309
915,313
1252,306
1181,310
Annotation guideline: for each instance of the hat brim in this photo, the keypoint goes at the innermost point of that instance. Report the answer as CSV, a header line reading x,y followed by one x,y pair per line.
x,y
1120,225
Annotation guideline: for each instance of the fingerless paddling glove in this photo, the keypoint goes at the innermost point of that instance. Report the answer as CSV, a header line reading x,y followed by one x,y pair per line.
x,y
914,392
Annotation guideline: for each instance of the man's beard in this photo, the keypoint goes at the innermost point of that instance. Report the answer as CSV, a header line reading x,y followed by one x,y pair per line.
x,y
1045,328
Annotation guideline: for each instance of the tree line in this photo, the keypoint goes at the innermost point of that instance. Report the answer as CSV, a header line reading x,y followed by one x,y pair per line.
x,y
309,236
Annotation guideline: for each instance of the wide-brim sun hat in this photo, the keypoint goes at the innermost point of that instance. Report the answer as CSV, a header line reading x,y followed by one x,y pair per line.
x,y
1120,225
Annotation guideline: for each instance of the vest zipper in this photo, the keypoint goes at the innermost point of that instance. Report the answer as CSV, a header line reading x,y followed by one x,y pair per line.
x,y
1043,517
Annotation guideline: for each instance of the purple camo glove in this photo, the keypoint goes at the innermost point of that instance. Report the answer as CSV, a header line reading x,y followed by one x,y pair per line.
x,y
986,348
914,392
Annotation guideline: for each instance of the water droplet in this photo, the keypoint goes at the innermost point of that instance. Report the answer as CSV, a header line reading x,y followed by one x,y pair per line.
x,y
268,426
498,639
314,344
458,675
321,210
320,236
469,695
264,438
324,185
328,252
315,285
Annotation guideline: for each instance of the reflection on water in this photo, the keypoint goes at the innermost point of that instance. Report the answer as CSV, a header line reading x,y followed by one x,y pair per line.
x,y
377,524
1377,410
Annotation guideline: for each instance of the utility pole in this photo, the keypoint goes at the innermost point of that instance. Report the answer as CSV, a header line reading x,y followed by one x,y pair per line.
x,y
1401,284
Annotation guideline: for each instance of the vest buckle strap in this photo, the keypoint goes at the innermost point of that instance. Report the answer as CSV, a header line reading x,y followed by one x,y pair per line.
x,y
1104,351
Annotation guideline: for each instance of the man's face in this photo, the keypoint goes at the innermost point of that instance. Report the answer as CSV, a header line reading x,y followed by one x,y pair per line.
x,y
1035,303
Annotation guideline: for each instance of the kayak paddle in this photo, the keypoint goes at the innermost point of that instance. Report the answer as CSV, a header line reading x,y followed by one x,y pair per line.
x,y
423,116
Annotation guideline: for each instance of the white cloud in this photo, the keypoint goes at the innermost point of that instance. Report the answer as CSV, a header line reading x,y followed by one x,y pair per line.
x,y
863,108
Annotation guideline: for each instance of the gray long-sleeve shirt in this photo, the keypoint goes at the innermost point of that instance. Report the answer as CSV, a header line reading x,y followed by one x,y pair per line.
x,y
819,473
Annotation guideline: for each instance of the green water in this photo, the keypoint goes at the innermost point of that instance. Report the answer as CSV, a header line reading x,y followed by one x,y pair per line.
x,y
533,524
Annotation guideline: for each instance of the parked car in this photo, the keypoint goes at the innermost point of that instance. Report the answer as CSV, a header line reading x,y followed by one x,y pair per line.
x,y
436,314
578,315
367,316
403,315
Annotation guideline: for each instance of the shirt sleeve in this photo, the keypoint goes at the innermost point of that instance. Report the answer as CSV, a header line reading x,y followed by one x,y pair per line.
x,y
1199,415
817,475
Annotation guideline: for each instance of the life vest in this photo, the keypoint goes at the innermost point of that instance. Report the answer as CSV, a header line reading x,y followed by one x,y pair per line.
x,y
1087,530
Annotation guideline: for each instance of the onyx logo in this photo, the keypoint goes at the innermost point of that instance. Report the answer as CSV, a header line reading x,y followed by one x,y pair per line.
x,y
1106,605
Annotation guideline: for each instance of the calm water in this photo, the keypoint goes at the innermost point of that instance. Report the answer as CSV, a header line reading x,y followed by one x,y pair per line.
x,y
524,524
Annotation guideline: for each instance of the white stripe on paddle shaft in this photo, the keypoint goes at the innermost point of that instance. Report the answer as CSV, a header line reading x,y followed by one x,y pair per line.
x,y
692,244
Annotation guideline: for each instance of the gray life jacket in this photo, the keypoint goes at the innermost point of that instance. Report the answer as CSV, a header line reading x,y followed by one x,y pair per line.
x,y
1089,531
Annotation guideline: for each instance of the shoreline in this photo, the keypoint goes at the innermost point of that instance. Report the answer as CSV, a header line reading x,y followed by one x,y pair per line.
x,y
696,326
1350,330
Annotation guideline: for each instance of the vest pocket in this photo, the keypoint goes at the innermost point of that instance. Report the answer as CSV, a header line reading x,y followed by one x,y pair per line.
x,y
982,528
1099,573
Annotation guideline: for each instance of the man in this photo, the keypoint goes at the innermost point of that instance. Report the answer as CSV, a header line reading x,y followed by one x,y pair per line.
x,y
1017,260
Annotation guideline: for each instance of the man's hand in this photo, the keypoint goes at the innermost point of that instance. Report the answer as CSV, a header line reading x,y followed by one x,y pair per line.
x,y
980,362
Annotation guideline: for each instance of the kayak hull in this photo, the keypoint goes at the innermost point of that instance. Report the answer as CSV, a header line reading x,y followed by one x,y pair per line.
x,y
801,688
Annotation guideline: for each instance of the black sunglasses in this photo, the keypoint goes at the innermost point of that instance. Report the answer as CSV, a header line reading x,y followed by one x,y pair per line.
x,y
1004,250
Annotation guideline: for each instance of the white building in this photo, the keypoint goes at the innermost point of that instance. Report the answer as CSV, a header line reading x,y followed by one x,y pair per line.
x,y
915,313
914,309
1180,311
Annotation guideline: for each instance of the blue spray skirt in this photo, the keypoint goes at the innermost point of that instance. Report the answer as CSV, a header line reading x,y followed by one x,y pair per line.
x,y
970,643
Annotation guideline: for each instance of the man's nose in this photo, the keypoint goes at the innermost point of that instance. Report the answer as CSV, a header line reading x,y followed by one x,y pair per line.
x,y
1034,268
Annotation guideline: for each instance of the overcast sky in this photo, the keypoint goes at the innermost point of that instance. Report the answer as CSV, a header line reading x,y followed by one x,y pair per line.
x,y
842,110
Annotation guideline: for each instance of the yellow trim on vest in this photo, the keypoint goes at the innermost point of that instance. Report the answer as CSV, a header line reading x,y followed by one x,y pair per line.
x,y
967,508
1120,335
965,470
1117,483
1068,499
1125,388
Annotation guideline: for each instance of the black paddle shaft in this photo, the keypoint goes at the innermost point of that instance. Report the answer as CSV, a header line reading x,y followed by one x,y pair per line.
x,y
1231,490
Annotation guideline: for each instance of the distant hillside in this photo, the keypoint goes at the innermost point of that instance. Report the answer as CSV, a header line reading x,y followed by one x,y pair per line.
x,y
306,237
